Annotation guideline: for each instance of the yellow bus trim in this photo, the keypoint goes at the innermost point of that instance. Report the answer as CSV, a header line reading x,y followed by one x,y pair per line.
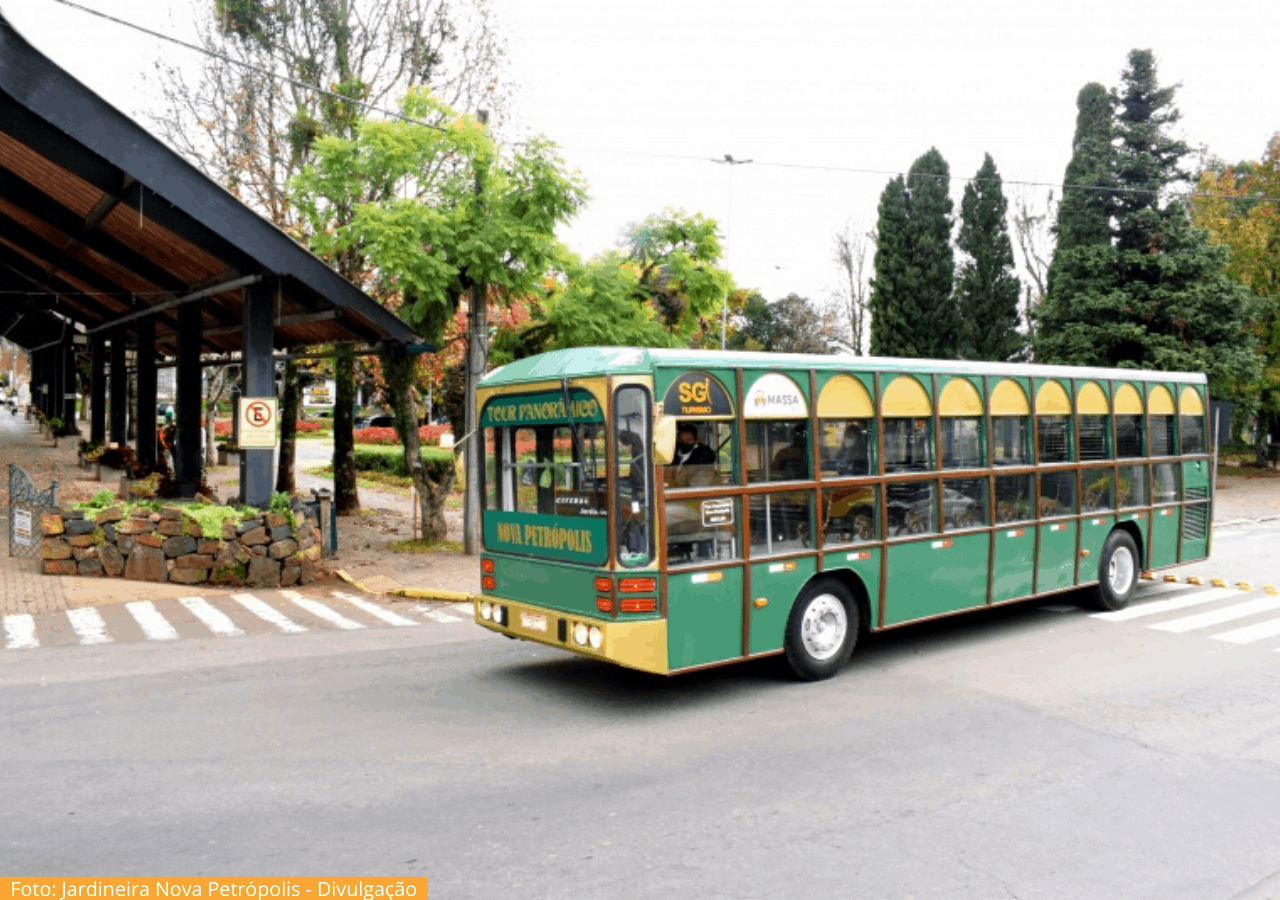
x,y
1052,400
905,396
1128,401
1160,401
960,398
1091,400
1009,399
1189,402
845,397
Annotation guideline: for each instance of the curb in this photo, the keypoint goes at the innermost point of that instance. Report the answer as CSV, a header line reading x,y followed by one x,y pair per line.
x,y
433,594
341,573
1246,586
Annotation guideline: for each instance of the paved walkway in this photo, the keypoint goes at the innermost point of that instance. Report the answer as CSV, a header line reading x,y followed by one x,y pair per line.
x,y
362,540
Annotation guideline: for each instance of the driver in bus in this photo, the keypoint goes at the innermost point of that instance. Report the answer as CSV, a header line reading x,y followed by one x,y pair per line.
x,y
694,460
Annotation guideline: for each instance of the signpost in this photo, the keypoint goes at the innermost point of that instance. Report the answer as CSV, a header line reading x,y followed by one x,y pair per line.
x,y
257,423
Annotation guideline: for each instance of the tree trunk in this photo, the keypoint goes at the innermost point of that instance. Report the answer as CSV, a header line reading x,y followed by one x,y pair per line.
x,y
286,482
433,480
346,494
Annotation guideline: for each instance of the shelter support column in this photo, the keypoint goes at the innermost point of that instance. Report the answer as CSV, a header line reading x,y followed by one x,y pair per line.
x,y
258,381
119,389
66,404
187,461
97,390
146,375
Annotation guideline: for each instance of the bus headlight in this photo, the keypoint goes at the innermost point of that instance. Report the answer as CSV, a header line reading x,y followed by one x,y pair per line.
x,y
580,634
486,611
596,637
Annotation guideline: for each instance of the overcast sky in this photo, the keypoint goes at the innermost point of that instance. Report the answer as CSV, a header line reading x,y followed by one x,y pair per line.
x,y
826,98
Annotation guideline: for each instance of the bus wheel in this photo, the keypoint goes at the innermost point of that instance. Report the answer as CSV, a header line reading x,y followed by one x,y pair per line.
x,y
1117,571
822,630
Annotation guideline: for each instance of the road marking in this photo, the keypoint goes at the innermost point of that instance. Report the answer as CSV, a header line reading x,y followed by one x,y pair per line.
x,y
20,632
214,619
1218,616
436,615
1250,633
468,608
1156,607
268,613
320,610
155,626
88,624
375,610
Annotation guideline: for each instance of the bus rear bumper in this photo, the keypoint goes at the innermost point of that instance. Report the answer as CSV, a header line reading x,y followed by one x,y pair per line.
x,y
637,645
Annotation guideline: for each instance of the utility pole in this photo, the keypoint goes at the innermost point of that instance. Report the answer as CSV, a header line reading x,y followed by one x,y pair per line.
x,y
730,162
477,359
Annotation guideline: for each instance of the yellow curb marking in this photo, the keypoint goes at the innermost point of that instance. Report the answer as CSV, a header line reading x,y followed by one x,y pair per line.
x,y
434,594
349,580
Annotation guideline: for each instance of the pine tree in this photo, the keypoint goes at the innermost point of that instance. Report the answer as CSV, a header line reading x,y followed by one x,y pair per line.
x,y
1154,294
987,290
913,312
1084,214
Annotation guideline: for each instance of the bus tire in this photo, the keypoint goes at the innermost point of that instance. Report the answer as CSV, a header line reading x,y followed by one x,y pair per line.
x,y
1117,571
821,630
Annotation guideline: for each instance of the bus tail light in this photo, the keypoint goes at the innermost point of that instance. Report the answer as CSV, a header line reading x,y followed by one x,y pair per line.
x,y
488,582
604,585
486,611
605,604
639,604
638,585
595,636
580,634
487,565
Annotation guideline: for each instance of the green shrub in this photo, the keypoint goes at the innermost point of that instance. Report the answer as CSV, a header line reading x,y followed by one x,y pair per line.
x,y
391,459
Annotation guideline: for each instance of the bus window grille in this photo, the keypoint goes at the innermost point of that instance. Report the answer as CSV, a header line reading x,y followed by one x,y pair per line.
x,y
1195,522
1197,493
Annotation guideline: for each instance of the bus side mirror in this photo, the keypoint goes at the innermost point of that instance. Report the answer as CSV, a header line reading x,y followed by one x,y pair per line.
x,y
664,441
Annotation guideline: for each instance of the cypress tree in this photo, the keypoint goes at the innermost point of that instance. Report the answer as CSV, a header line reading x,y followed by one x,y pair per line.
x,y
1084,214
1154,294
987,290
913,312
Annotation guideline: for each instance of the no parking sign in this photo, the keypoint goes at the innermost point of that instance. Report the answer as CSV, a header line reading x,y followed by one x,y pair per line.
x,y
257,422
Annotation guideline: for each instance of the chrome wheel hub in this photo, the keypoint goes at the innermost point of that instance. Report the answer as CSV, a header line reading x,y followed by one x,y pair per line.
x,y
824,626
1120,571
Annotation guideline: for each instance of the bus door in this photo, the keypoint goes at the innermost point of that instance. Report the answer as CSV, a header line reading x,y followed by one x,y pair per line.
x,y
1195,514
1056,557
702,524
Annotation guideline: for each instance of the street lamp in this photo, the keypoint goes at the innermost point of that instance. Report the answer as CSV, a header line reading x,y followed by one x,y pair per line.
x,y
730,162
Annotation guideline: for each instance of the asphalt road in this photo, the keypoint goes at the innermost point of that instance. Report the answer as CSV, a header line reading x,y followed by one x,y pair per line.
x,y
1034,751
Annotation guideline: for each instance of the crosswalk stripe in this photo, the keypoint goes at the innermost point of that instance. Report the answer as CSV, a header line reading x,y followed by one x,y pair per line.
x,y
436,614
320,610
1250,633
1218,616
20,632
268,613
468,608
373,609
88,625
1156,607
214,619
155,626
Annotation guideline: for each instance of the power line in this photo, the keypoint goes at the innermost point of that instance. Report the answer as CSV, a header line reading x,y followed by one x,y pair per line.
x,y
851,170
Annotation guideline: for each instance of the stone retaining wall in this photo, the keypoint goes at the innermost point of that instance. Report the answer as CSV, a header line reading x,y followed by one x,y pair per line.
x,y
258,551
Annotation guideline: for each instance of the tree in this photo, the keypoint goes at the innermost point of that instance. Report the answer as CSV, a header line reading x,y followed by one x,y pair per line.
x,y
1154,294
850,246
429,235
912,308
790,325
663,288
987,289
1088,184
1240,207
275,78
1034,233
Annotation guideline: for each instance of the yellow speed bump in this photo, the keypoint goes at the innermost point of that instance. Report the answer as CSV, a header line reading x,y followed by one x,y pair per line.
x,y
1219,582
1171,578
1194,579
1244,585
1271,589
1148,576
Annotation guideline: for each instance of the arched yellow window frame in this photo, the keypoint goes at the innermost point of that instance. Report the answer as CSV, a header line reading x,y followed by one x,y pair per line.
x,y
1009,399
1190,403
1052,400
904,398
960,398
1128,401
1160,401
1091,400
844,397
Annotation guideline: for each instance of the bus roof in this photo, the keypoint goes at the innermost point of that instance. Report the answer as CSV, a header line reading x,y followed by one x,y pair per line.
x,y
587,361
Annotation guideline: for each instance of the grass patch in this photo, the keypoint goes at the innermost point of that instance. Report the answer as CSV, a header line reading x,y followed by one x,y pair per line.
x,y
418,545
1247,471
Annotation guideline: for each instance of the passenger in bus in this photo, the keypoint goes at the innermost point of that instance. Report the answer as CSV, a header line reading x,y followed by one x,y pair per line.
x,y
852,457
791,463
694,462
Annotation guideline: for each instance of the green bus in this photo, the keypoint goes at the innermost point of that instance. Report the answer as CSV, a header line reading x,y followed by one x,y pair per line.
x,y
670,510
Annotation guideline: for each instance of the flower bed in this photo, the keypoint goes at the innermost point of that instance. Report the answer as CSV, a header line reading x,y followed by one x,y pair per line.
x,y
193,544
428,435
